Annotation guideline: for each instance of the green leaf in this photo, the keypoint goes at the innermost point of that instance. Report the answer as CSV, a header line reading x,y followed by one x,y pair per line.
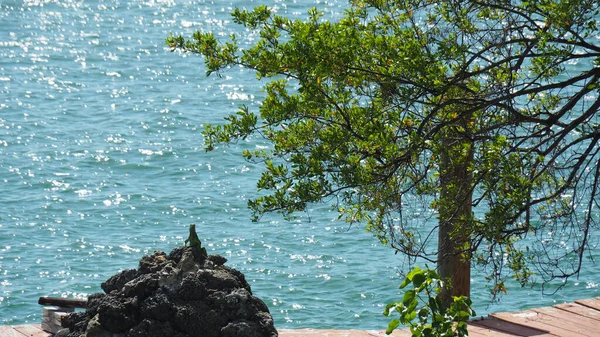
x,y
433,304
418,279
432,274
462,315
408,298
410,276
389,307
405,283
414,272
392,326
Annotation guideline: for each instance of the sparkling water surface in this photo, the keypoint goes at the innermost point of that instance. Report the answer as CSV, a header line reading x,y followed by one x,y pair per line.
x,y
101,162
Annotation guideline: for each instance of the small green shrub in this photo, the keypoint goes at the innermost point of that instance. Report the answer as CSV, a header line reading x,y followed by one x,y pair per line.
x,y
426,315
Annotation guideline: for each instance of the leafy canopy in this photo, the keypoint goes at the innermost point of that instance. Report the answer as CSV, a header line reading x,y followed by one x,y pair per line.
x,y
359,112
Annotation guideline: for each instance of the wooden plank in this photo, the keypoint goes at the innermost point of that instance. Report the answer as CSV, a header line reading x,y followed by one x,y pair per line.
x,y
568,318
593,303
8,331
62,302
481,331
340,333
543,322
32,330
580,310
511,328
397,333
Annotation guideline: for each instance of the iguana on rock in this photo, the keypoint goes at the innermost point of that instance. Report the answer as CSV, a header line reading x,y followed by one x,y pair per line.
x,y
194,240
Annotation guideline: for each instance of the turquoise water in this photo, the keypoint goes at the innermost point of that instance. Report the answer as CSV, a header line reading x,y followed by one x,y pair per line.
x,y
101,162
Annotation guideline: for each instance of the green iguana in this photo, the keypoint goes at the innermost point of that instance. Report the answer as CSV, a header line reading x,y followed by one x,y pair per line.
x,y
194,240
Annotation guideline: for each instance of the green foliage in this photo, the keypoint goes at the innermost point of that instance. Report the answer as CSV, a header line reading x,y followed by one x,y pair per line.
x,y
421,308
454,103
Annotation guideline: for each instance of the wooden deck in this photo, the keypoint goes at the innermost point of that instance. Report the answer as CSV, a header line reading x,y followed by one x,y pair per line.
x,y
32,330
578,319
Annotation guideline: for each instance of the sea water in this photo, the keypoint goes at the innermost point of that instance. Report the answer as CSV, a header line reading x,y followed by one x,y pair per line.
x,y
102,162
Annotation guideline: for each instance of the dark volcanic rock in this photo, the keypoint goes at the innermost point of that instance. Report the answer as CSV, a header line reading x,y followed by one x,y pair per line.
x,y
117,281
182,294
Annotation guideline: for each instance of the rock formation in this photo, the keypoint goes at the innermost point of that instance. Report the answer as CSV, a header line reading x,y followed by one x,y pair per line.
x,y
183,294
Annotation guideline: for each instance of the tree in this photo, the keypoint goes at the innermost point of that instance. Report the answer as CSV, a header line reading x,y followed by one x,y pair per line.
x,y
489,105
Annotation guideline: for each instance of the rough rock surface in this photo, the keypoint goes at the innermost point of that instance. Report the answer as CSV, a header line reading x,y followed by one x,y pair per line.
x,y
182,294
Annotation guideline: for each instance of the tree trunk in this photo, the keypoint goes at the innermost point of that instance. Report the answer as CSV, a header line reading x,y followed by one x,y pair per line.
x,y
455,215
